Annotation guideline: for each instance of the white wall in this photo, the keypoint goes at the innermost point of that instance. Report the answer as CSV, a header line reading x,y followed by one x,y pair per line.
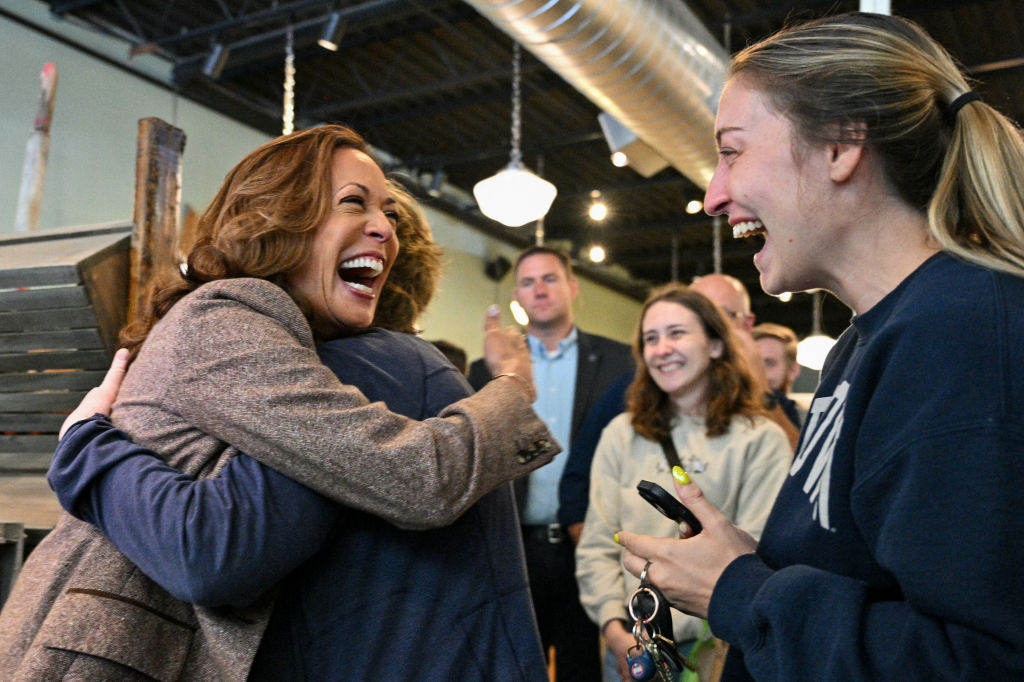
x,y
90,176
91,172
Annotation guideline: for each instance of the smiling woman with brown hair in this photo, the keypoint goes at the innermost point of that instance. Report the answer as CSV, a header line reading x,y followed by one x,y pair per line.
x,y
295,248
692,389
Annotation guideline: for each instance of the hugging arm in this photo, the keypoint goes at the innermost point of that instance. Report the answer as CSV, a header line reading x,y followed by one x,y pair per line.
x,y
222,540
323,434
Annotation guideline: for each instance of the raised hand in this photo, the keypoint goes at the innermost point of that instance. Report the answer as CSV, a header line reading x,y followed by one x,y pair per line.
x,y
506,351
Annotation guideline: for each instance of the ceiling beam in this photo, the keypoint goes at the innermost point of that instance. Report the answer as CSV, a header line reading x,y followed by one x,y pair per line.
x,y
546,82
283,13
434,161
418,92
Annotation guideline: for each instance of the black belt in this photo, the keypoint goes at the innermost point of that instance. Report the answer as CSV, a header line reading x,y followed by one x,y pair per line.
x,y
550,533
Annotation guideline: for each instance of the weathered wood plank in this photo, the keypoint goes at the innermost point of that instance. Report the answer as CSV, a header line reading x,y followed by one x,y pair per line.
x,y
27,498
157,212
47,381
45,320
73,231
44,298
33,422
19,443
82,359
25,462
46,401
62,339
53,261
106,281
39,275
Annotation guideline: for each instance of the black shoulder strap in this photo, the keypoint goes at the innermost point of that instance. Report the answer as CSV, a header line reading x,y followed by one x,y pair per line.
x,y
670,452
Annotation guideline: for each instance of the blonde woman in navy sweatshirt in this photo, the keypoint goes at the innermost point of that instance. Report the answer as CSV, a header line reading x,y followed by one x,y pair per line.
x,y
873,170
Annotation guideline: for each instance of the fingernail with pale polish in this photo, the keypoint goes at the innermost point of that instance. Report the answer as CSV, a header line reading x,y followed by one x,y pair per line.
x,y
681,476
493,310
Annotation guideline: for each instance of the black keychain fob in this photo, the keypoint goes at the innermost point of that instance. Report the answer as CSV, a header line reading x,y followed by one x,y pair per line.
x,y
667,504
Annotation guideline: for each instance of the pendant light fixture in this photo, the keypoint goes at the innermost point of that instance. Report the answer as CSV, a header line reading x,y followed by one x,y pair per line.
x,y
288,113
514,196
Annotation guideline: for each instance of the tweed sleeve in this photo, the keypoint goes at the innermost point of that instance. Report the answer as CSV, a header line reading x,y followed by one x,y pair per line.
x,y
235,361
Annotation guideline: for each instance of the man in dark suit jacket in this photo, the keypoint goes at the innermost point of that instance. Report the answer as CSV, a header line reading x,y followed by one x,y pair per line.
x,y
571,369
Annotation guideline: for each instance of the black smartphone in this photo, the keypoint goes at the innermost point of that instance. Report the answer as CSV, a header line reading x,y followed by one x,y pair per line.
x,y
667,504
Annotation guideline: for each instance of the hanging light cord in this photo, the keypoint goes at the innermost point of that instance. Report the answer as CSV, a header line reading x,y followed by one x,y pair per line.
x,y
816,302
288,118
517,132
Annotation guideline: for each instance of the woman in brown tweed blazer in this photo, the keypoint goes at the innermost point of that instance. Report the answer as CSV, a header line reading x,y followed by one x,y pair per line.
x,y
294,249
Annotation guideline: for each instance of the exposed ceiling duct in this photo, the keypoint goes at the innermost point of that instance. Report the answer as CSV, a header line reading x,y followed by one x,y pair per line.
x,y
649,63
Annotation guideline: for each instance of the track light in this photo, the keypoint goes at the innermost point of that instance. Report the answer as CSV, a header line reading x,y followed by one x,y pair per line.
x,y
334,29
628,149
216,60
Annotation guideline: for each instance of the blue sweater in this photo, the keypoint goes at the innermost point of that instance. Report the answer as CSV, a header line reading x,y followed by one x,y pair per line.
x,y
894,551
356,597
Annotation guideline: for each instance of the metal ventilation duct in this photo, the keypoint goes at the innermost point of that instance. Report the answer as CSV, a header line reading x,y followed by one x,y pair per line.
x,y
649,63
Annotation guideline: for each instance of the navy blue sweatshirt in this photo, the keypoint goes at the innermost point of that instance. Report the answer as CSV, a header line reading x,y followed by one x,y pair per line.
x,y
895,550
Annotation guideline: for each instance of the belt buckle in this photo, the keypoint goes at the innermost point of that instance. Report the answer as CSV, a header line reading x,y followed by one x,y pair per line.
x,y
554,534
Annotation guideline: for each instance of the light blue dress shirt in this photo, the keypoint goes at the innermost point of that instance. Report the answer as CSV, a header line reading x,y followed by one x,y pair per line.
x,y
554,374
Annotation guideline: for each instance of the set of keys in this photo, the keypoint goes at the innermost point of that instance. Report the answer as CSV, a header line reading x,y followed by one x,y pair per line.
x,y
654,656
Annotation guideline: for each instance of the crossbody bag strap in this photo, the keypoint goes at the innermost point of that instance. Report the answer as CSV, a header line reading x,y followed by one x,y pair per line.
x,y
670,452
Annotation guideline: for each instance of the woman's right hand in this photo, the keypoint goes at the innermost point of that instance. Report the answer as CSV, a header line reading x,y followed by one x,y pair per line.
x,y
686,571
100,399
506,350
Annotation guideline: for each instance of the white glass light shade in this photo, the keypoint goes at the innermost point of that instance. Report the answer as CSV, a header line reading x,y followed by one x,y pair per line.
x,y
812,351
514,196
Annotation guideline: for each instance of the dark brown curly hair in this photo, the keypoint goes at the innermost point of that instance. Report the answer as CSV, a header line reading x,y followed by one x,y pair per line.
x,y
417,269
731,387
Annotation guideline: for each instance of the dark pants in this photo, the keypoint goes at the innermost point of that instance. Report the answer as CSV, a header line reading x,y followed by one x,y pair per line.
x,y
556,600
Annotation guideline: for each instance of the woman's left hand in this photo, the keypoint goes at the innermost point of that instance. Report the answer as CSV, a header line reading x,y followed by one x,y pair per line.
x,y
100,399
686,570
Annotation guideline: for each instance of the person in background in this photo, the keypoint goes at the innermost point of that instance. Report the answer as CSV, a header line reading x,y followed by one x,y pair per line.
x,y
729,294
777,345
858,150
693,387
455,354
295,249
574,487
572,369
